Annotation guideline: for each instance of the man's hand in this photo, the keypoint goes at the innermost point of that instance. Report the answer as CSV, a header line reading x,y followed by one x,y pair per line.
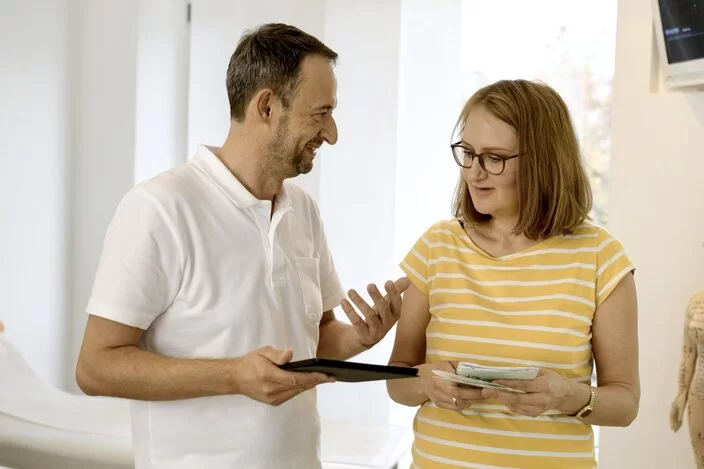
x,y
258,376
381,317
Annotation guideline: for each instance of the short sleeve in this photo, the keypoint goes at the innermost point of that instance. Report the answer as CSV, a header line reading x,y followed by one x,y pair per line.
x,y
612,265
330,286
416,264
139,272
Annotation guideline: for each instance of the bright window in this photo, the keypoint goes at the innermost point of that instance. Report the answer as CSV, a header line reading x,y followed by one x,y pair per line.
x,y
568,45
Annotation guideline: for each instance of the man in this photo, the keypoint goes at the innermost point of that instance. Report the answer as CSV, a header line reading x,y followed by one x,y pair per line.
x,y
217,271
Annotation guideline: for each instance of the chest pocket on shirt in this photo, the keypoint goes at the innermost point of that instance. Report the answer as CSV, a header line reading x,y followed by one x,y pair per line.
x,y
309,278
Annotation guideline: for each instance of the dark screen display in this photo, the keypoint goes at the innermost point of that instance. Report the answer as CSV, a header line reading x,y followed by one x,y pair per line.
x,y
683,28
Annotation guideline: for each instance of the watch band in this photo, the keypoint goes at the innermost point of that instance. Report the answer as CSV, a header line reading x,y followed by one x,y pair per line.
x,y
589,408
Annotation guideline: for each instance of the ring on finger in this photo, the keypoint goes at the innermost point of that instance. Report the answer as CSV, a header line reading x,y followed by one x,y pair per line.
x,y
454,401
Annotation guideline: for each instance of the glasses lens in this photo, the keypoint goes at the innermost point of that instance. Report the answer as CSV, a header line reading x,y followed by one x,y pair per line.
x,y
493,164
462,157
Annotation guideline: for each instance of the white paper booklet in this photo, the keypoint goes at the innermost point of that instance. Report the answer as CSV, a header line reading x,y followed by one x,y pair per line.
x,y
472,382
490,373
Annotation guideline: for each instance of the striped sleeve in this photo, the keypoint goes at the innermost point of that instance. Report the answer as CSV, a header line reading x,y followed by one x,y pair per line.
x,y
416,264
612,265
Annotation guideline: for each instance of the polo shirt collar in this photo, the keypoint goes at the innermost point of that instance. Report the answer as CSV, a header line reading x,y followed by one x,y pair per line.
x,y
218,173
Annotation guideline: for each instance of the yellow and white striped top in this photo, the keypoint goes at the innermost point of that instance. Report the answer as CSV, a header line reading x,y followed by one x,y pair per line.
x,y
530,308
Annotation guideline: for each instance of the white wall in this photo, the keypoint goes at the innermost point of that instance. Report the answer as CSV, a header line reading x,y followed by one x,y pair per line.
x,y
73,123
429,99
104,54
656,202
357,185
34,147
129,65
161,125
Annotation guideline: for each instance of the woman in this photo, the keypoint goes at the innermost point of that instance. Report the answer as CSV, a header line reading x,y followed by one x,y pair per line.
x,y
518,278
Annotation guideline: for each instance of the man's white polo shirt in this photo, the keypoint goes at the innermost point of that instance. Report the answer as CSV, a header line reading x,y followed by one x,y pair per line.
x,y
208,271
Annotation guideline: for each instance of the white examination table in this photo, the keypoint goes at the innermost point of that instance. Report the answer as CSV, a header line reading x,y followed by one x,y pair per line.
x,y
42,427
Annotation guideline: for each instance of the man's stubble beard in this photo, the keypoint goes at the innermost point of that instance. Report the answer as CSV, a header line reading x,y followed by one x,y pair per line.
x,y
285,162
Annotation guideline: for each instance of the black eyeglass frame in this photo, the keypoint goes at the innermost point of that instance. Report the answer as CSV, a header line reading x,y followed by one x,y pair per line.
x,y
480,156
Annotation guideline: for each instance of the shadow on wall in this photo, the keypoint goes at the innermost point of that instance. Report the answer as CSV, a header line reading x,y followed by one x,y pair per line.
x,y
695,100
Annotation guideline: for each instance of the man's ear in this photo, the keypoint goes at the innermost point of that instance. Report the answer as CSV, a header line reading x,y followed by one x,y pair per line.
x,y
262,104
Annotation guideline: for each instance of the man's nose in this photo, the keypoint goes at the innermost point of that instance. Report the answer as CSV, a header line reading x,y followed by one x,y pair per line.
x,y
329,132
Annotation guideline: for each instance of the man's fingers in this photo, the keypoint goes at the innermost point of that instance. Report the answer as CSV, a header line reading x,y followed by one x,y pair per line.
x,y
375,294
394,298
351,313
382,305
276,356
368,312
283,397
402,284
287,395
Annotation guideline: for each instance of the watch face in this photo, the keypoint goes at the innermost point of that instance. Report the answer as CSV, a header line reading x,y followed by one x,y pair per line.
x,y
586,413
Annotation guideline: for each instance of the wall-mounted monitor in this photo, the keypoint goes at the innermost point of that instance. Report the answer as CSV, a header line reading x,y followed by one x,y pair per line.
x,y
679,31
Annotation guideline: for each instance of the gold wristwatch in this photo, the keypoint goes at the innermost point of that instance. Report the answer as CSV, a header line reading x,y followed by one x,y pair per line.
x,y
589,408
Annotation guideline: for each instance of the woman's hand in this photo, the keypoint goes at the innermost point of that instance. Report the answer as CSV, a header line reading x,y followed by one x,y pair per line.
x,y
547,391
443,393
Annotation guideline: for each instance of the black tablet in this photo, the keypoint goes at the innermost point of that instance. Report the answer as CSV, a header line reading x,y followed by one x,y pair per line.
x,y
351,372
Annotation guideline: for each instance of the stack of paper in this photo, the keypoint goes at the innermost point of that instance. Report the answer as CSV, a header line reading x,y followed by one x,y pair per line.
x,y
479,376
471,382
490,373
